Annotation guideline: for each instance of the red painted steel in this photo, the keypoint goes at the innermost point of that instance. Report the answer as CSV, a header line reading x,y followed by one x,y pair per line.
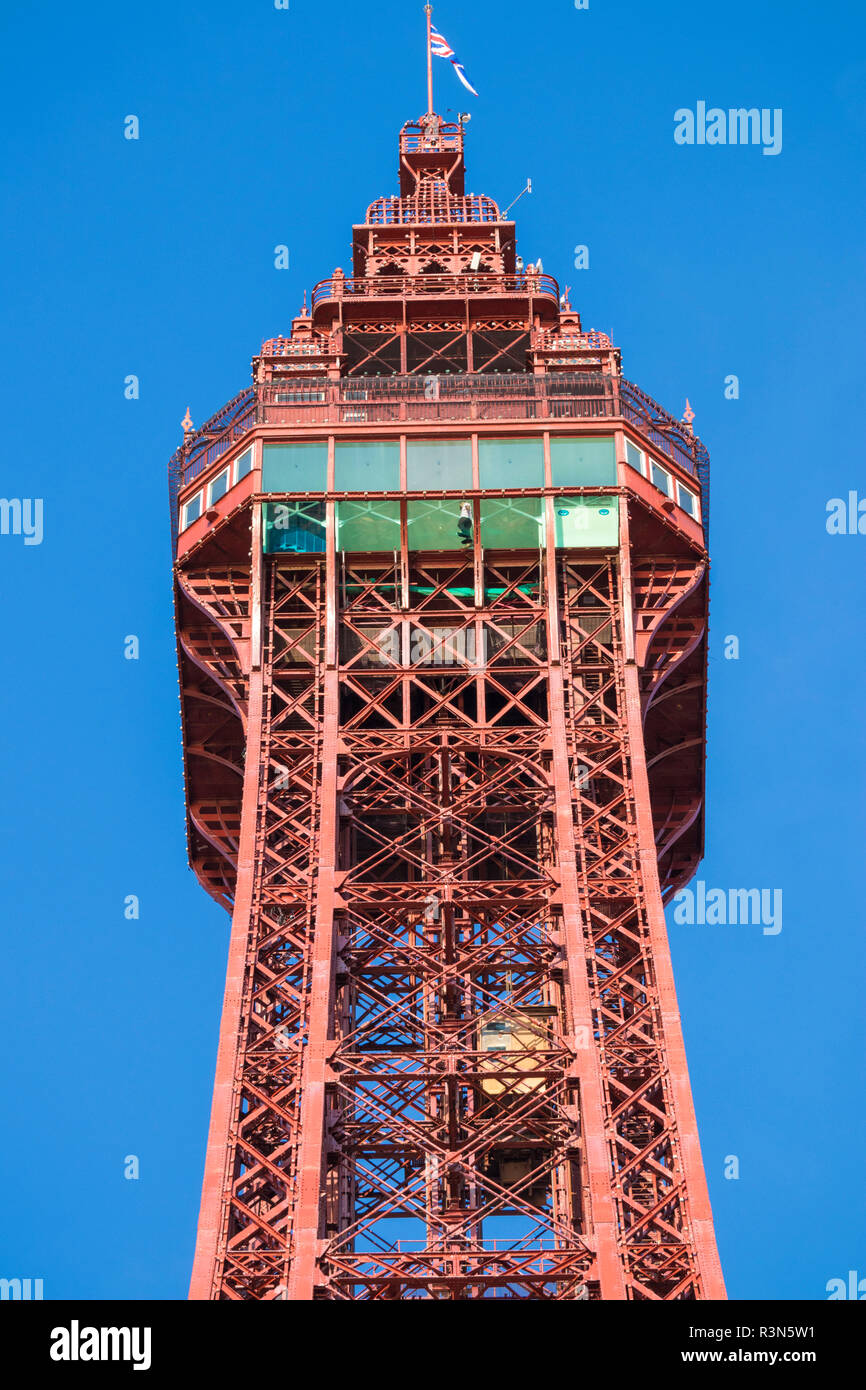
x,y
451,1062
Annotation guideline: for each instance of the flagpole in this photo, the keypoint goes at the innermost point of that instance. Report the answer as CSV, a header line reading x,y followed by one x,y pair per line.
x,y
429,12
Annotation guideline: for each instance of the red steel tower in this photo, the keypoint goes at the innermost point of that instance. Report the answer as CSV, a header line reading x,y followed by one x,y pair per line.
x,y
441,612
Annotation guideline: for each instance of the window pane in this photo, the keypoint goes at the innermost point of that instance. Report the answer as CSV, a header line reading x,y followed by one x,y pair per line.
x,y
220,486
660,477
582,462
688,500
294,467
512,523
633,456
587,522
294,526
244,464
445,466
433,526
511,463
192,511
362,467
365,526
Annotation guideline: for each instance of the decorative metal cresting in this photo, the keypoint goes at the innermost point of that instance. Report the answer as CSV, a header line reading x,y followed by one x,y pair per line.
x,y
444,790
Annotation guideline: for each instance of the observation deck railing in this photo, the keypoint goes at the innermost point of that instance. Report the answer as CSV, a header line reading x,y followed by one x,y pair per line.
x,y
442,137
459,398
434,286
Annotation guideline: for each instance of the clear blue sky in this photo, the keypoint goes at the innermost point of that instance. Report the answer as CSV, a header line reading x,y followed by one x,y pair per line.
x,y
155,257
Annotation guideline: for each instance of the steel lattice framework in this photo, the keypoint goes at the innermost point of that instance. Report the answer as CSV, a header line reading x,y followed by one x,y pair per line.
x,y
444,794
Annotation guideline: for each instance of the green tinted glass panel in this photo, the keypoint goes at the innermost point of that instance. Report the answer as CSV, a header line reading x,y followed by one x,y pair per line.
x,y
512,523
294,467
511,463
588,522
362,467
582,462
365,526
445,466
297,527
433,526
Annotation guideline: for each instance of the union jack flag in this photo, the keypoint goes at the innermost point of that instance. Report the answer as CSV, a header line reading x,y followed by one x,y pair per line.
x,y
441,48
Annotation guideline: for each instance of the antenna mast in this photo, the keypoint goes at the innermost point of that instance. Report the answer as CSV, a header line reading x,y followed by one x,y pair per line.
x,y
428,10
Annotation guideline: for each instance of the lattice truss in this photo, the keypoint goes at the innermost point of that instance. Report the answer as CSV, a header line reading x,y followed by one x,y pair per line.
x,y
213,656
649,1185
450,1150
439,346
255,1239
670,639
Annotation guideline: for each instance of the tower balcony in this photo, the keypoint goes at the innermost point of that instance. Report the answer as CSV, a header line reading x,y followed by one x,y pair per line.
x,y
435,205
429,134
333,296
431,148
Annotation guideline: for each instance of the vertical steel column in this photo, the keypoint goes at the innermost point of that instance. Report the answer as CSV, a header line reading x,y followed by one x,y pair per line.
x,y
311,1157
698,1200
603,1217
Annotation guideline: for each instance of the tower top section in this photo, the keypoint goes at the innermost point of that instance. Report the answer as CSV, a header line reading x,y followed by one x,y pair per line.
x,y
431,150
432,192
435,286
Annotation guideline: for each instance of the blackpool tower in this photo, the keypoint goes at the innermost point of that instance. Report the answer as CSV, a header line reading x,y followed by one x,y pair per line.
x,y
441,595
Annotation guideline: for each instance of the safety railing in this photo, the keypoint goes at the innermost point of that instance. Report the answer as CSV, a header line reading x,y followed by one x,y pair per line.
x,y
435,285
434,399
436,136
439,206
203,447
